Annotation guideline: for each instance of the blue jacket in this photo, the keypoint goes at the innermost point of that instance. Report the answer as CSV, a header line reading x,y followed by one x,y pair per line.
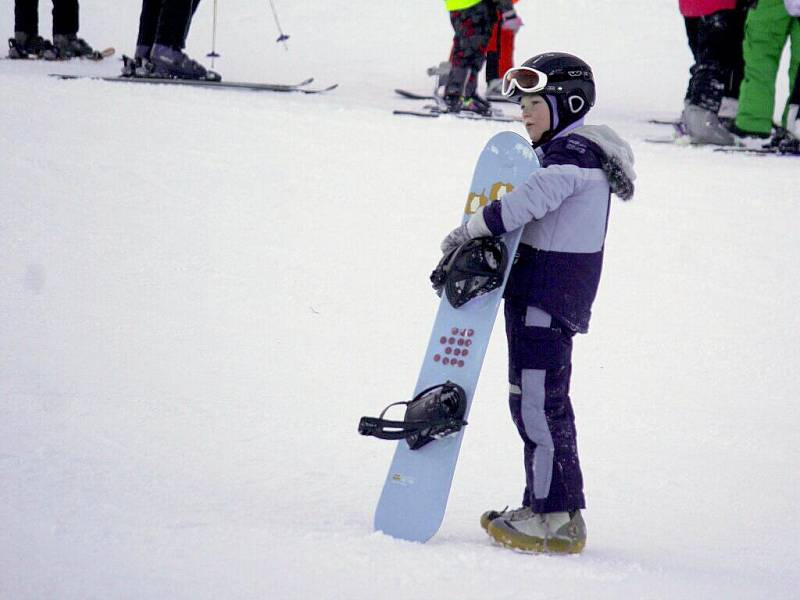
x,y
564,208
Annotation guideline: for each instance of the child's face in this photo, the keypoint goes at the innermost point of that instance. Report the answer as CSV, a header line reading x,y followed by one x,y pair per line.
x,y
535,115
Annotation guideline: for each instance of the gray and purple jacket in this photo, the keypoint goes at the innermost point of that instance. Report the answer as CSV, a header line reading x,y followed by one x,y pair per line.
x,y
563,208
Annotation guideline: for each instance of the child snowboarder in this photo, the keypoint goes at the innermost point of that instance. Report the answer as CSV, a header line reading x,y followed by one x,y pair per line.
x,y
563,208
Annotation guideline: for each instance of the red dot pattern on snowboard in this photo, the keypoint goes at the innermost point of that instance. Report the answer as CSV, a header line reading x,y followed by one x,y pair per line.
x,y
455,347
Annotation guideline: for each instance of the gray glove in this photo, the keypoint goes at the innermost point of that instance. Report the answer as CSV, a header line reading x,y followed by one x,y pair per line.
x,y
474,228
455,238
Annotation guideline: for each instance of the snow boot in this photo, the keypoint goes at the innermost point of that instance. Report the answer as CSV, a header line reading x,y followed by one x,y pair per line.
x,y
704,127
71,46
24,45
171,63
514,513
556,533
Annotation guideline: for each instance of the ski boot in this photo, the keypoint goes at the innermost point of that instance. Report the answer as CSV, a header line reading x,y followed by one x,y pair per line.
x,y
474,104
704,127
727,111
171,63
751,139
556,533
139,66
25,45
477,105
71,46
494,89
783,142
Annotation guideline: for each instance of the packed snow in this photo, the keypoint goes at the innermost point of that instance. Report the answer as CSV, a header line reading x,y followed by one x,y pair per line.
x,y
203,290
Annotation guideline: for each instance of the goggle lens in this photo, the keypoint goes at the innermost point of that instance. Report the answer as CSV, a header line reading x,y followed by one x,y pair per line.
x,y
523,79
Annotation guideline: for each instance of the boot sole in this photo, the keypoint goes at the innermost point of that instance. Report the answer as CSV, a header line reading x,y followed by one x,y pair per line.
x,y
509,537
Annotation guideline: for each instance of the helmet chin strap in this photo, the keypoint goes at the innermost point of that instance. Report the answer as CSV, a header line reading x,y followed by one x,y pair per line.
x,y
552,104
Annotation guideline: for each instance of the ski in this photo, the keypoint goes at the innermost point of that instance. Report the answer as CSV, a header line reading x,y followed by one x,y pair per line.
x,y
97,55
434,113
417,485
686,141
499,98
675,141
262,87
418,96
673,122
414,95
774,151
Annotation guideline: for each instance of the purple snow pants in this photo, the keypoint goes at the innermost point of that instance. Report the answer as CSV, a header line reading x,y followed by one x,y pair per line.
x,y
539,357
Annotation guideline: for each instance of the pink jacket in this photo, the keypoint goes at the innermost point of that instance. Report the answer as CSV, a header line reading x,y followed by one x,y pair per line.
x,y
701,8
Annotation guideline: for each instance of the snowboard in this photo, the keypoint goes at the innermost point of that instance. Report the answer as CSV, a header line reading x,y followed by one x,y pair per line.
x,y
434,112
414,496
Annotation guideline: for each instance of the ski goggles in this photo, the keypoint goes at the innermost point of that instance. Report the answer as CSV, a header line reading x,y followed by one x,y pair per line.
x,y
523,79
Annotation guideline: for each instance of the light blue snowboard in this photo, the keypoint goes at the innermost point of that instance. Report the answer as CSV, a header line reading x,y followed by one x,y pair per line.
x,y
414,497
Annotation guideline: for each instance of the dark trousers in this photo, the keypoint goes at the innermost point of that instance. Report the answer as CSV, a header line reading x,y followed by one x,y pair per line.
x,y
540,365
65,17
794,98
716,44
165,22
473,29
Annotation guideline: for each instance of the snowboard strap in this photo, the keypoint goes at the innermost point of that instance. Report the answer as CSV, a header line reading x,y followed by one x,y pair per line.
x,y
475,268
433,413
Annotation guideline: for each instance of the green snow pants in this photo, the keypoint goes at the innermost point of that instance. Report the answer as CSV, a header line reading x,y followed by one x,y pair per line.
x,y
766,30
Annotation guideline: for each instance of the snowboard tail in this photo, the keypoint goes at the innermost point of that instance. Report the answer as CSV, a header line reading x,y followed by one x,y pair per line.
x,y
417,486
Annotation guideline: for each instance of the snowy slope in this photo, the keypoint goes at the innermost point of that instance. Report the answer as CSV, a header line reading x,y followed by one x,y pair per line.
x,y
201,292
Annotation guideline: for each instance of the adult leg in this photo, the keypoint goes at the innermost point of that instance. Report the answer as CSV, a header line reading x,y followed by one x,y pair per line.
x,y
493,55
173,21
65,17
167,55
715,38
472,28
766,29
794,70
195,3
506,51
148,24
26,17
691,24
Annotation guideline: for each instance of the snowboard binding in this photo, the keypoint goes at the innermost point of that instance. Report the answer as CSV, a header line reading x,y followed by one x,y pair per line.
x,y
435,412
475,268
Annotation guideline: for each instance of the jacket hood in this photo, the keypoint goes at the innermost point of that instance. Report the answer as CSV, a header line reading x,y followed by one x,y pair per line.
x,y
618,161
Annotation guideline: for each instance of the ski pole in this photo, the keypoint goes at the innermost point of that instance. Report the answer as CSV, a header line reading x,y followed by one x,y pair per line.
x,y
282,37
213,54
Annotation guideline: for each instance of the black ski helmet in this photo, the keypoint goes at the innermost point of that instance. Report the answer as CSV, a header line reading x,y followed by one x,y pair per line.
x,y
569,81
